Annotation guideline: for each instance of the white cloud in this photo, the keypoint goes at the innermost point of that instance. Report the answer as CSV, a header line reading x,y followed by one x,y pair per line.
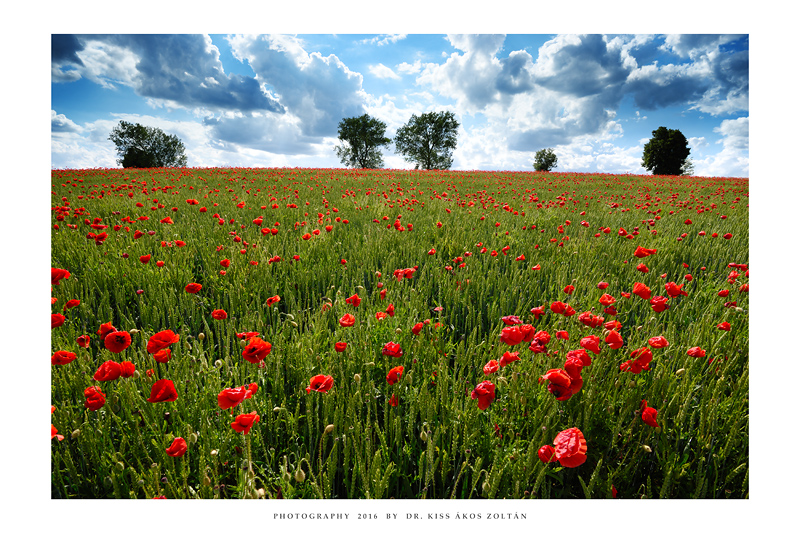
x,y
405,68
382,71
734,158
382,40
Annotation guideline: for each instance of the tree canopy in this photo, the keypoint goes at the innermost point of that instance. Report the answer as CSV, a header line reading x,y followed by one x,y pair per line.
x,y
666,153
428,140
362,138
146,147
545,160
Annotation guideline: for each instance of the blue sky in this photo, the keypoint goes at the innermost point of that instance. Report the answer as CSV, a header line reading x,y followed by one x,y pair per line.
x,y
276,100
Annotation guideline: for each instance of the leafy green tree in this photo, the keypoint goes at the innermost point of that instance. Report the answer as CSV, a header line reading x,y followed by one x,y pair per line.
x,y
545,160
666,152
362,138
428,140
145,147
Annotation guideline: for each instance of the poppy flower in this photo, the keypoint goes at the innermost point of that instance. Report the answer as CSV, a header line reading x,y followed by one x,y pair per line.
x,y
560,383
127,369
62,357
57,320
659,304
649,415
95,399
104,330
163,390
724,326
144,259
320,383
392,349
547,454
591,343
643,252
394,375
511,320
72,303
354,300
340,346
273,300
570,446
54,433
606,300
57,274
569,289
658,342
696,352
83,341
641,290
193,288
117,341
163,356
177,448
417,328
390,310
257,350
641,267
723,293
614,340
229,398
219,314
244,422
491,367
225,263
558,307
640,360
347,320
394,401
161,340
484,393
508,358
108,371
674,290
562,335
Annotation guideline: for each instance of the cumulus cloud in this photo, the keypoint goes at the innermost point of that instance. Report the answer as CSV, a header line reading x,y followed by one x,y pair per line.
x,y
734,158
60,123
382,40
407,68
382,71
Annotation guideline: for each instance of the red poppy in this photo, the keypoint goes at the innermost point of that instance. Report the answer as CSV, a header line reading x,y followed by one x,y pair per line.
x,y
392,349
108,371
390,310
614,340
394,375
641,267
659,304
127,369
83,341
562,335
603,285
62,357
394,401
569,289
484,393
54,433
95,399
273,300
491,367
257,350
696,352
546,454
117,341
640,360
104,330
347,320
724,326
163,356
560,383
723,293
511,320
163,390
193,288
354,300
57,274
591,343
144,259
232,397
508,358
674,290
320,383
177,448
219,314
558,307
244,422
643,252
340,346
225,263
649,415
658,342
570,446
72,303
57,320
607,299
641,290
161,340
417,328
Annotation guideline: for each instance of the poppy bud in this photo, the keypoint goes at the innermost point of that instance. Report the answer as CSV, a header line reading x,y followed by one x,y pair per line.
x,y
206,481
647,448
357,378
201,336
242,343
192,438
276,410
119,467
133,331
680,371
75,434
289,316
218,363
214,453
293,324
398,331
299,476
423,435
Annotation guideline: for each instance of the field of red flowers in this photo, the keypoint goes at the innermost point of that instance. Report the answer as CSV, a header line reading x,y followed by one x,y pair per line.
x,y
329,333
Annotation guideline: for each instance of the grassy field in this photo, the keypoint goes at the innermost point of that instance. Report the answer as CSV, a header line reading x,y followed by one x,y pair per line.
x,y
592,294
